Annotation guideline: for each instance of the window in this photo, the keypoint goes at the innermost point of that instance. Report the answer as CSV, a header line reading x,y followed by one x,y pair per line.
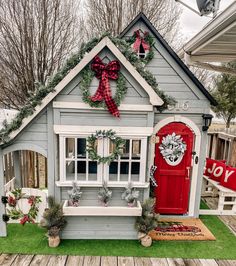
x,y
130,166
75,164
141,52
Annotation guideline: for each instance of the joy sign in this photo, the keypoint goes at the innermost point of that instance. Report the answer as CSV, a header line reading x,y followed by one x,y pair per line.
x,y
229,180
218,171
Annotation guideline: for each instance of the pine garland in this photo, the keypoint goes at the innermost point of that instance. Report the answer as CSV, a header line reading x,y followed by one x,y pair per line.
x,y
43,90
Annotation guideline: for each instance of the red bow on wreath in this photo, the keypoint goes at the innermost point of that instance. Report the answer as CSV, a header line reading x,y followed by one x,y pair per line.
x,y
140,41
104,72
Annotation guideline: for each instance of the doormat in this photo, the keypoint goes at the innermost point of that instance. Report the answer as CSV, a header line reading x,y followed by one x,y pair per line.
x,y
181,229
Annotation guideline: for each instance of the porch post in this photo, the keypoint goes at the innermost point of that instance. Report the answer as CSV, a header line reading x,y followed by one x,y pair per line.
x,y
3,227
17,172
200,174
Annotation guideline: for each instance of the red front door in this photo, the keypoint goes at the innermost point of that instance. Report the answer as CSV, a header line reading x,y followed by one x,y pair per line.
x,y
173,158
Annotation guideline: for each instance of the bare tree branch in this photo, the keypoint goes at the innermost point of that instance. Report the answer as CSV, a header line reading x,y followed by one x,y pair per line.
x,y
114,15
35,38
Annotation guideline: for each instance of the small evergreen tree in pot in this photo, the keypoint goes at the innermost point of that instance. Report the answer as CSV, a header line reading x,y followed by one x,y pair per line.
x,y
130,195
74,195
104,195
146,222
54,221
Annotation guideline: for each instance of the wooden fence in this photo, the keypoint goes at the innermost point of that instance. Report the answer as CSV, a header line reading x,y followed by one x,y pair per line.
x,y
222,146
33,169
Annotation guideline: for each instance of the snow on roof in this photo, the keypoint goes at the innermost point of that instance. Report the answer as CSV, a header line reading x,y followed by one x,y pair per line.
x,y
6,114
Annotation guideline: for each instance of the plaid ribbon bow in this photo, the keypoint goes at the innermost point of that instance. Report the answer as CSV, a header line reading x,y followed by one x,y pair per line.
x,y
140,41
104,72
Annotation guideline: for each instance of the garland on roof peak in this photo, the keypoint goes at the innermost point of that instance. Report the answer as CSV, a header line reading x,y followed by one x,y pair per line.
x,y
43,90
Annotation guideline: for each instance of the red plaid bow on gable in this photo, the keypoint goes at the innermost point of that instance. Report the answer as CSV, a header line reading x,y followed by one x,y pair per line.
x,y
140,41
104,73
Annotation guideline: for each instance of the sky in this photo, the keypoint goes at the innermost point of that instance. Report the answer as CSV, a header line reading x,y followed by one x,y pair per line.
x,y
191,23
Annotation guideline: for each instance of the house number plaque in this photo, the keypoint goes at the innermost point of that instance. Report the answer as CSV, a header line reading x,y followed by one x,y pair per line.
x,y
179,106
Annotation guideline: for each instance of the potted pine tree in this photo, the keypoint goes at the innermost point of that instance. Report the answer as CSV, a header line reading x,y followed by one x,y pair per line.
x,y
130,195
147,222
74,195
104,195
54,221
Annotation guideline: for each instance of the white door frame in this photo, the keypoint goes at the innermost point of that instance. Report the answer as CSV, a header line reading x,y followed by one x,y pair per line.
x,y
194,178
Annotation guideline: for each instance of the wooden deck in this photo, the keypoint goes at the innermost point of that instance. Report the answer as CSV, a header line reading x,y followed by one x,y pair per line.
x,y
48,260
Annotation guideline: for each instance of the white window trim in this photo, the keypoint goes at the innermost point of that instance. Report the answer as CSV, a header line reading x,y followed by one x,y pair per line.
x,y
101,168
62,174
142,161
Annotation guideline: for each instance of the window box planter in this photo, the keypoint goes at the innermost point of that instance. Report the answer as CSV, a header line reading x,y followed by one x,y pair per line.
x,y
102,211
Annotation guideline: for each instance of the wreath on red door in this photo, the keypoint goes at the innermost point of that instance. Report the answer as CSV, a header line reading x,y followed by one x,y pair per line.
x,y
172,148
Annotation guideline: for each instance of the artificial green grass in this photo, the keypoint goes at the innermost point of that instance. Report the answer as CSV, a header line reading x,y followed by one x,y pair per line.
x,y
30,239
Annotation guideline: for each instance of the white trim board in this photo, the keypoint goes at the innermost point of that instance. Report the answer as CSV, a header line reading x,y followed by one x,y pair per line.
x,y
87,130
85,106
105,42
102,211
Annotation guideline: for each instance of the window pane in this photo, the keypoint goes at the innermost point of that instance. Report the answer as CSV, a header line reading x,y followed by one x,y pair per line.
x,y
70,148
81,148
125,150
124,171
111,146
113,171
70,170
81,170
136,148
93,168
135,170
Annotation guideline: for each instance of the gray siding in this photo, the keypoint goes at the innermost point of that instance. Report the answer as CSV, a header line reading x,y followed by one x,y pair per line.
x,y
95,227
100,118
33,136
100,228
89,196
172,80
135,94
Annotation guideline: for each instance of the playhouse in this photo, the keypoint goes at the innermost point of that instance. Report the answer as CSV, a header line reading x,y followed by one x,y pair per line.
x,y
163,127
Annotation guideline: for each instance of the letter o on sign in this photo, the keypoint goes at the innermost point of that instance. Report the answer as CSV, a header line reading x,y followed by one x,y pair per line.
x,y
218,171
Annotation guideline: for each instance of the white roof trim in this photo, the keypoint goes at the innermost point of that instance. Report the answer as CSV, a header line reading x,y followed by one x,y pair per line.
x,y
215,28
105,42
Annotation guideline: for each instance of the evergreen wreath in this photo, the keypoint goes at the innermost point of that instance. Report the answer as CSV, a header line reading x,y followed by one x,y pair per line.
x,y
172,147
148,39
15,213
87,76
100,134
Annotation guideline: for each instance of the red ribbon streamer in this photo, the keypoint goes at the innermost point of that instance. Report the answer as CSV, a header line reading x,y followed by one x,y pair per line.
x,y
104,72
140,41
